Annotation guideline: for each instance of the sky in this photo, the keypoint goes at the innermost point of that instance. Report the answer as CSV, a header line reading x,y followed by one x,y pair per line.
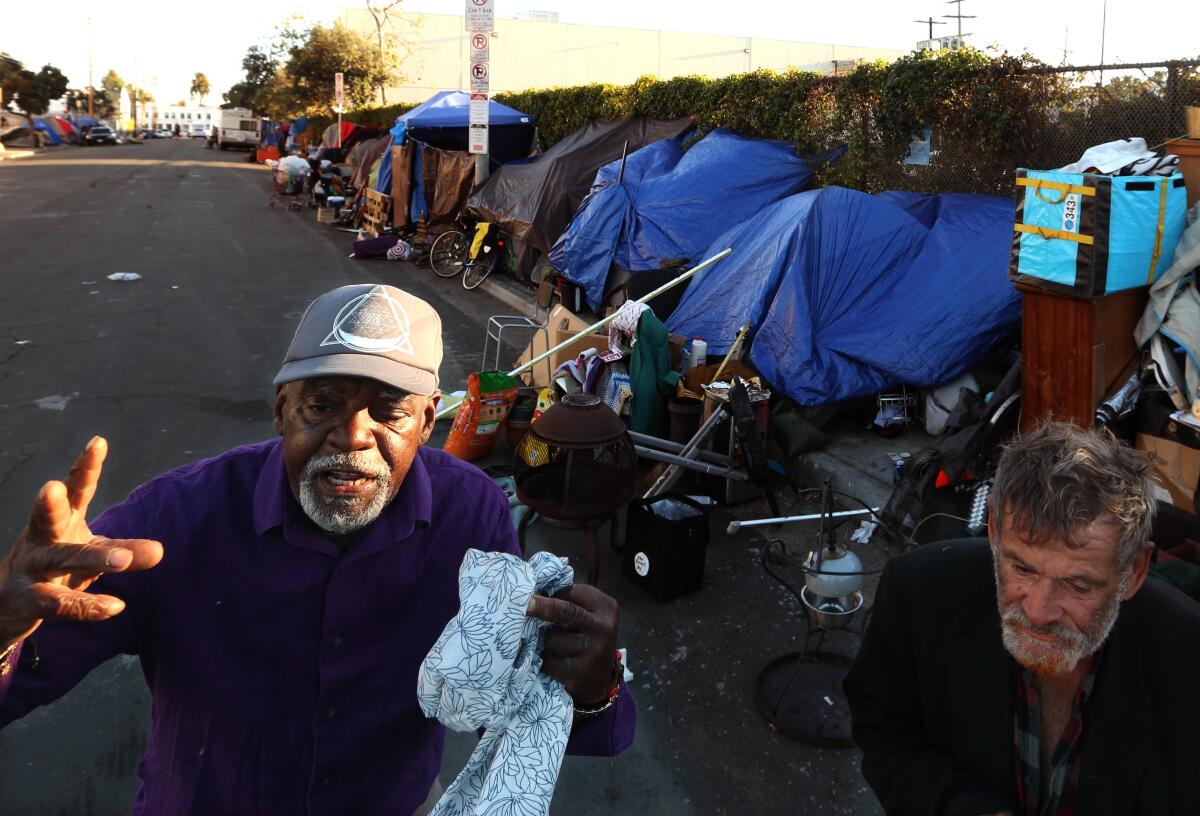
x,y
161,45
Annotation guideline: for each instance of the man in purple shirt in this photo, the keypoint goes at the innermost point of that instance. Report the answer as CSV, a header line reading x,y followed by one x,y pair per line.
x,y
282,595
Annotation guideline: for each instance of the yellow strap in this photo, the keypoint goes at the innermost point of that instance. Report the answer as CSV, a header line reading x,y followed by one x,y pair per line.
x,y
1067,189
480,233
1046,232
1162,215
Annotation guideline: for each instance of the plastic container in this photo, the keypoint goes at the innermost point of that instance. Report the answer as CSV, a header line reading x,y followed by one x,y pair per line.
x,y
697,353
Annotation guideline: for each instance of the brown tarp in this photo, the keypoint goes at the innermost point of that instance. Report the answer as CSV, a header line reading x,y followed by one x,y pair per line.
x,y
401,183
363,172
448,176
533,201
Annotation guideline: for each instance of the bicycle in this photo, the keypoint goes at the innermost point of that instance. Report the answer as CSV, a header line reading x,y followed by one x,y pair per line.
x,y
473,252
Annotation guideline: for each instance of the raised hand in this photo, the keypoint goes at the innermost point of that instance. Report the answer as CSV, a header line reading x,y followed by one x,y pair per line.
x,y
56,557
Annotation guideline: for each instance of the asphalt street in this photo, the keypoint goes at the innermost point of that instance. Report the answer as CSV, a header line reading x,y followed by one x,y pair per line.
x,y
177,366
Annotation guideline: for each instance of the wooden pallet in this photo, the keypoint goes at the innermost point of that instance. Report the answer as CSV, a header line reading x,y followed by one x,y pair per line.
x,y
377,212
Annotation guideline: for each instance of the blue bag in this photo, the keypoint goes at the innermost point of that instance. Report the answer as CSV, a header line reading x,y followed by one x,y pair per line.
x,y
1089,235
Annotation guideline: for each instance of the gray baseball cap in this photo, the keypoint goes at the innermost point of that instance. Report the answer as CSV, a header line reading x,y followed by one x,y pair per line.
x,y
367,330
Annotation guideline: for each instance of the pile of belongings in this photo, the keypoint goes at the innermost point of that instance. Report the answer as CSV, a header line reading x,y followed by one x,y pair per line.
x,y
390,246
1124,157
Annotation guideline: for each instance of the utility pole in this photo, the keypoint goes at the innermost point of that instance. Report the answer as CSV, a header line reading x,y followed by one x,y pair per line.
x,y
931,23
959,15
89,31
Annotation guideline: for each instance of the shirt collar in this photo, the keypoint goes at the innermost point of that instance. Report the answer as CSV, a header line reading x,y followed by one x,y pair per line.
x,y
276,506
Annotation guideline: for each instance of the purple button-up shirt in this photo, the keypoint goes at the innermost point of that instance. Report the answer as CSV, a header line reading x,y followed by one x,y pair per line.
x,y
283,667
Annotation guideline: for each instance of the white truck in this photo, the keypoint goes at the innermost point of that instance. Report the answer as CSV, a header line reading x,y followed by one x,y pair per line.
x,y
238,128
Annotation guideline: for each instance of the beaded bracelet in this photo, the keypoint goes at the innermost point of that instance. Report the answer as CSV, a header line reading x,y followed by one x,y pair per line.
x,y
614,691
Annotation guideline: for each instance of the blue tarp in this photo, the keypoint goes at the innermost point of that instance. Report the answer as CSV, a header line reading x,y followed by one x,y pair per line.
x,y
442,120
671,203
848,293
51,134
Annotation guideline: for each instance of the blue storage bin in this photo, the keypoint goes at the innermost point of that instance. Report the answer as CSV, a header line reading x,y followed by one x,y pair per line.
x,y
1088,235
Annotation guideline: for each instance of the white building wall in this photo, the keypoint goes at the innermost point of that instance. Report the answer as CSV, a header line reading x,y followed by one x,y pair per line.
x,y
540,54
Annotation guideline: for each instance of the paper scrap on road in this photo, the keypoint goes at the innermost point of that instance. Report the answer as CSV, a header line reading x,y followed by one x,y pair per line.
x,y
54,402
23,342
124,276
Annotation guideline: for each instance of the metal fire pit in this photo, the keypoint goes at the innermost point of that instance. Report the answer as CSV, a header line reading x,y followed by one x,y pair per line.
x,y
577,466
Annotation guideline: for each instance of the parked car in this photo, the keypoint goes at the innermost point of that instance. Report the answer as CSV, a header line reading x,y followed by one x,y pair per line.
x,y
149,134
100,135
165,134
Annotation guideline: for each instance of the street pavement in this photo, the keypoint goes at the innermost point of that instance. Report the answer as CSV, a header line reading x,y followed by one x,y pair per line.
x,y
177,366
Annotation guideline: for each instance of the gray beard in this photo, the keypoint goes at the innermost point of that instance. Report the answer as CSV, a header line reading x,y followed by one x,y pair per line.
x,y
1076,644
336,515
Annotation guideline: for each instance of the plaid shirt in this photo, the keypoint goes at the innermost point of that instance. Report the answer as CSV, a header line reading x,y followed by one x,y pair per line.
x,y
1058,799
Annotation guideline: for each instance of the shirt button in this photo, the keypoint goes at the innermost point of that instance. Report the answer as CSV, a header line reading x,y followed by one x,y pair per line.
x,y
337,640
329,714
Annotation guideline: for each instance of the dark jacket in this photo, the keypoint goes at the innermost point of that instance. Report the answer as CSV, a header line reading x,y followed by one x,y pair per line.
x,y
932,696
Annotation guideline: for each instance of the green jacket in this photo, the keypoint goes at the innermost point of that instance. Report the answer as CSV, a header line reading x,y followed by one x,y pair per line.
x,y
650,377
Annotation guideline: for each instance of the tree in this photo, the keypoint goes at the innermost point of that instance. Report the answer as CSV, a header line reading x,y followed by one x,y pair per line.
x,y
200,86
259,68
112,83
325,51
104,105
31,93
381,12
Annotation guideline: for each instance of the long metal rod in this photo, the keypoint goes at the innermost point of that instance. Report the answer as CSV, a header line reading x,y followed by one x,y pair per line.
x,y
691,464
671,475
674,447
599,324
734,526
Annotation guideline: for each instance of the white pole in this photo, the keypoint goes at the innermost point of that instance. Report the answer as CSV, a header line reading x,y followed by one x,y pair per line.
x,y
734,526
602,323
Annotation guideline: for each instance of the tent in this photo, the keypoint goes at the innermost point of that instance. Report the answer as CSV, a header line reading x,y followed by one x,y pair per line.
x,y
670,204
14,129
67,129
52,137
848,293
443,119
532,200
330,137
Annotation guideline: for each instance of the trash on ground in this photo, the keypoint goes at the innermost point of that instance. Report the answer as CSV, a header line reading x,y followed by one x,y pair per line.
x,y
124,276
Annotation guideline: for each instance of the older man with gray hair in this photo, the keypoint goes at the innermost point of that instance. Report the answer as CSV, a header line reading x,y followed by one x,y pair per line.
x,y
1039,673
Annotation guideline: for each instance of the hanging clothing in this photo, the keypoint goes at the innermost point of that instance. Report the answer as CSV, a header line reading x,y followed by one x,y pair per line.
x,y
624,326
1174,309
650,376
485,672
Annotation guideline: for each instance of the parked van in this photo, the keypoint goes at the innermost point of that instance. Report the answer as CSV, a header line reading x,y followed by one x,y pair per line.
x,y
238,128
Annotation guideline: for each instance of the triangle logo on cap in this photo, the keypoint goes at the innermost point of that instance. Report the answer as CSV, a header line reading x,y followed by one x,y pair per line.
x,y
373,323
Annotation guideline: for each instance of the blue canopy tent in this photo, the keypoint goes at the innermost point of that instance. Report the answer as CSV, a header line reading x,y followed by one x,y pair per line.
x,y
670,204
443,121
848,293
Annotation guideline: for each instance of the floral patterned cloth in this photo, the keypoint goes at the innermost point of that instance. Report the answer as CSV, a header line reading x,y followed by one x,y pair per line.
x,y
485,672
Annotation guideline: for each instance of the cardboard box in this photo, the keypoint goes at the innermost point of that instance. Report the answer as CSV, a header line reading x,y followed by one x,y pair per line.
x,y
1175,466
561,325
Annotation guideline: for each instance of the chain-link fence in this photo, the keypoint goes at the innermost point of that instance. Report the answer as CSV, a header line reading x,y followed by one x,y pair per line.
x,y
1092,104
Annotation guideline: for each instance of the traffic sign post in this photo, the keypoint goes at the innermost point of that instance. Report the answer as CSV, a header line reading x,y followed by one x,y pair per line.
x,y
481,16
479,20
339,99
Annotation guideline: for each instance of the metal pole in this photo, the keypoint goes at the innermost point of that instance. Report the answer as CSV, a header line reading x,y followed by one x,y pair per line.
x,y
705,264
734,526
671,475
482,170
1103,32
691,464
624,154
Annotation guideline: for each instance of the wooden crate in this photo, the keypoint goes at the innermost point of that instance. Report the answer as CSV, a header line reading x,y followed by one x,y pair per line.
x,y
377,212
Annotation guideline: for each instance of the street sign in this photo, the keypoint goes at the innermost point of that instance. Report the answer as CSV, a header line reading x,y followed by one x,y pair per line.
x,y
479,109
478,139
480,47
479,77
480,15
339,91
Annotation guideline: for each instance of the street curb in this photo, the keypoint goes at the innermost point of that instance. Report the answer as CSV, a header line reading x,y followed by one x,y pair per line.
x,y
13,155
510,298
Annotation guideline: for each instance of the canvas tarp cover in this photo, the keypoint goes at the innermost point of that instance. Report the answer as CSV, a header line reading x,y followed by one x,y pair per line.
x,y
52,136
670,204
330,137
848,293
532,200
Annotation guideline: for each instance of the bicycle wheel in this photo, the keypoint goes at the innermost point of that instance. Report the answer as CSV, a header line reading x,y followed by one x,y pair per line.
x,y
478,269
447,254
